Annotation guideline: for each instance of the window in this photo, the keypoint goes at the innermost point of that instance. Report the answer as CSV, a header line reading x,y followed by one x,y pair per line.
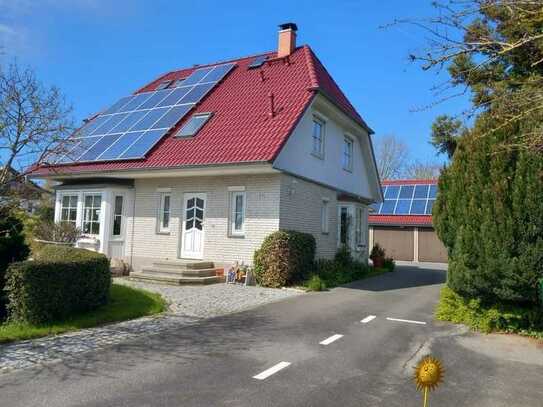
x,y
359,230
318,138
68,211
91,214
324,216
194,124
344,226
237,213
347,154
164,215
118,215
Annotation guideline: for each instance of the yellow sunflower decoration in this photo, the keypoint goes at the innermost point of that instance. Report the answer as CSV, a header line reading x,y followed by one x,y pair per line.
x,y
428,375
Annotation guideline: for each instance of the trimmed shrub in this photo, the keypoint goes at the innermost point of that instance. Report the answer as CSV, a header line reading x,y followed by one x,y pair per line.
x,y
389,264
12,242
315,283
335,273
62,282
284,258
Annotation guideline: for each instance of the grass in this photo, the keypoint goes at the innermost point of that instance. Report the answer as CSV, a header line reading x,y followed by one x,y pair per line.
x,y
506,318
125,303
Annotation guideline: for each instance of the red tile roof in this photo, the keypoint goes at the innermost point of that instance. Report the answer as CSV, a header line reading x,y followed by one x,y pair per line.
x,y
403,220
241,129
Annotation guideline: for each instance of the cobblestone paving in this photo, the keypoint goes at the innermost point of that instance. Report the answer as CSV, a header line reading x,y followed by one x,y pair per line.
x,y
187,305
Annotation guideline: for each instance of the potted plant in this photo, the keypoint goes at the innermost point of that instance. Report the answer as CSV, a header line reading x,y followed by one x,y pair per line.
x,y
377,255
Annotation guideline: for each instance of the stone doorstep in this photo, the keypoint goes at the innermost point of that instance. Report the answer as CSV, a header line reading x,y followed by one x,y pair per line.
x,y
173,279
183,264
180,273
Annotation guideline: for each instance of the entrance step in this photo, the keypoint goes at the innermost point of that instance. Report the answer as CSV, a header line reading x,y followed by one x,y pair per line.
x,y
173,279
179,272
183,264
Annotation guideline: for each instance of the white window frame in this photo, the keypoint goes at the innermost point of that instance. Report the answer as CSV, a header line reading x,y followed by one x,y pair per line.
x,y
84,213
318,153
69,208
325,216
234,192
347,154
115,215
161,212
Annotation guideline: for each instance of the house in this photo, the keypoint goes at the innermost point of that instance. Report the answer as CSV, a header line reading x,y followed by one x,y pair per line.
x,y
402,223
27,194
203,163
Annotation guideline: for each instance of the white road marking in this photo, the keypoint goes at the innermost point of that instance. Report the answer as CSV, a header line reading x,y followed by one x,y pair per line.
x,y
407,320
333,338
369,318
272,370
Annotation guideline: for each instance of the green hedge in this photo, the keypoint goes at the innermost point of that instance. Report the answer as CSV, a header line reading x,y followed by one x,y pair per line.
x,y
484,317
285,258
12,242
60,283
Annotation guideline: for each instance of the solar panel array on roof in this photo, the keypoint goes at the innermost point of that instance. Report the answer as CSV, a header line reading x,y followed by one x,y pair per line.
x,y
409,199
134,124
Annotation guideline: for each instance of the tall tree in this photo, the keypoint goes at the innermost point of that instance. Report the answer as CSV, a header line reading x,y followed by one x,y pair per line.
x,y
422,170
391,155
34,121
492,49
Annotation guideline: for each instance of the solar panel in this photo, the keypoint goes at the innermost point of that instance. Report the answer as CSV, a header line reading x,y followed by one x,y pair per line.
x,y
407,200
258,61
134,124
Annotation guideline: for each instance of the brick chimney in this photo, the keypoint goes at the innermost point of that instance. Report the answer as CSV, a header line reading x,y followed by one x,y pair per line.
x,y
287,39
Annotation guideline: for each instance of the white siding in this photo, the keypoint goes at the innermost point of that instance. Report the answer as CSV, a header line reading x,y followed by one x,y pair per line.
x,y
301,204
262,217
296,156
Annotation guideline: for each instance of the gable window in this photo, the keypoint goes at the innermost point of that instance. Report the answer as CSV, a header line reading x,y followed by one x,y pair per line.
x,y
193,125
164,213
325,216
91,214
118,215
318,138
68,210
237,212
347,154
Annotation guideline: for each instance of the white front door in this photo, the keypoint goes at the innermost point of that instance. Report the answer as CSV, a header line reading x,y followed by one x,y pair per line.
x,y
193,226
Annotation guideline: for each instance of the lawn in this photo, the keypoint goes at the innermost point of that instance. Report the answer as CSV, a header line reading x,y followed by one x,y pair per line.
x,y
125,303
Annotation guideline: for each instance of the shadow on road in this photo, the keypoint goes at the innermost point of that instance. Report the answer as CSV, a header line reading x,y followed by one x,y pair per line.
x,y
402,277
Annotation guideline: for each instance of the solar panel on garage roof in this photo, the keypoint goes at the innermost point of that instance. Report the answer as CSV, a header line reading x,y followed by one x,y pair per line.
x,y
134,124
407,199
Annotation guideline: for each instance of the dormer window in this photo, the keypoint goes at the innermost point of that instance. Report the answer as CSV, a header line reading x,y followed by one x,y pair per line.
x,y
193,125
164,85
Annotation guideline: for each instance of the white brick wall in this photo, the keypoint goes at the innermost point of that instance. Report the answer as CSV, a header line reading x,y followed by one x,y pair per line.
x,y
301,203
262,217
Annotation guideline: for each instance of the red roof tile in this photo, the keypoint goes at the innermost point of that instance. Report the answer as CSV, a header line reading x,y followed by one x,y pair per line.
x,y
401,220
241,129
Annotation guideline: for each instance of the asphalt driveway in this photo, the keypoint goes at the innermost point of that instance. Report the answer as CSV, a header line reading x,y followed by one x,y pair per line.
x,y
351,346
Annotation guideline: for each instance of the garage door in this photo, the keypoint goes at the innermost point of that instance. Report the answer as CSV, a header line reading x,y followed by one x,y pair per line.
x,y
430,247
397,242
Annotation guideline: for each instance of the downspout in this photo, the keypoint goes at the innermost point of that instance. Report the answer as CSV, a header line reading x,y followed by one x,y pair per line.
x,y
133,227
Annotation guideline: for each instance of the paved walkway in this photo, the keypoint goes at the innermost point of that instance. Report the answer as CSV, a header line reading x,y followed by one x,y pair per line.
x,y
188,305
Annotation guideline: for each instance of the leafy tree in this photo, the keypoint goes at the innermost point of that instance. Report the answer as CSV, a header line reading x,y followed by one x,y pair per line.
x,y
34,122
12,241
446,131
391,156
493,50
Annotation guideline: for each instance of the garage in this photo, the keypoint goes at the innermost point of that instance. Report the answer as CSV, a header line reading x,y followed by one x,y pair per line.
x,y
431,249
397,242
402,223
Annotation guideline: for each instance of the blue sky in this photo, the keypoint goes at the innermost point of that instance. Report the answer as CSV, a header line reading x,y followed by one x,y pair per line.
x,y
99,50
